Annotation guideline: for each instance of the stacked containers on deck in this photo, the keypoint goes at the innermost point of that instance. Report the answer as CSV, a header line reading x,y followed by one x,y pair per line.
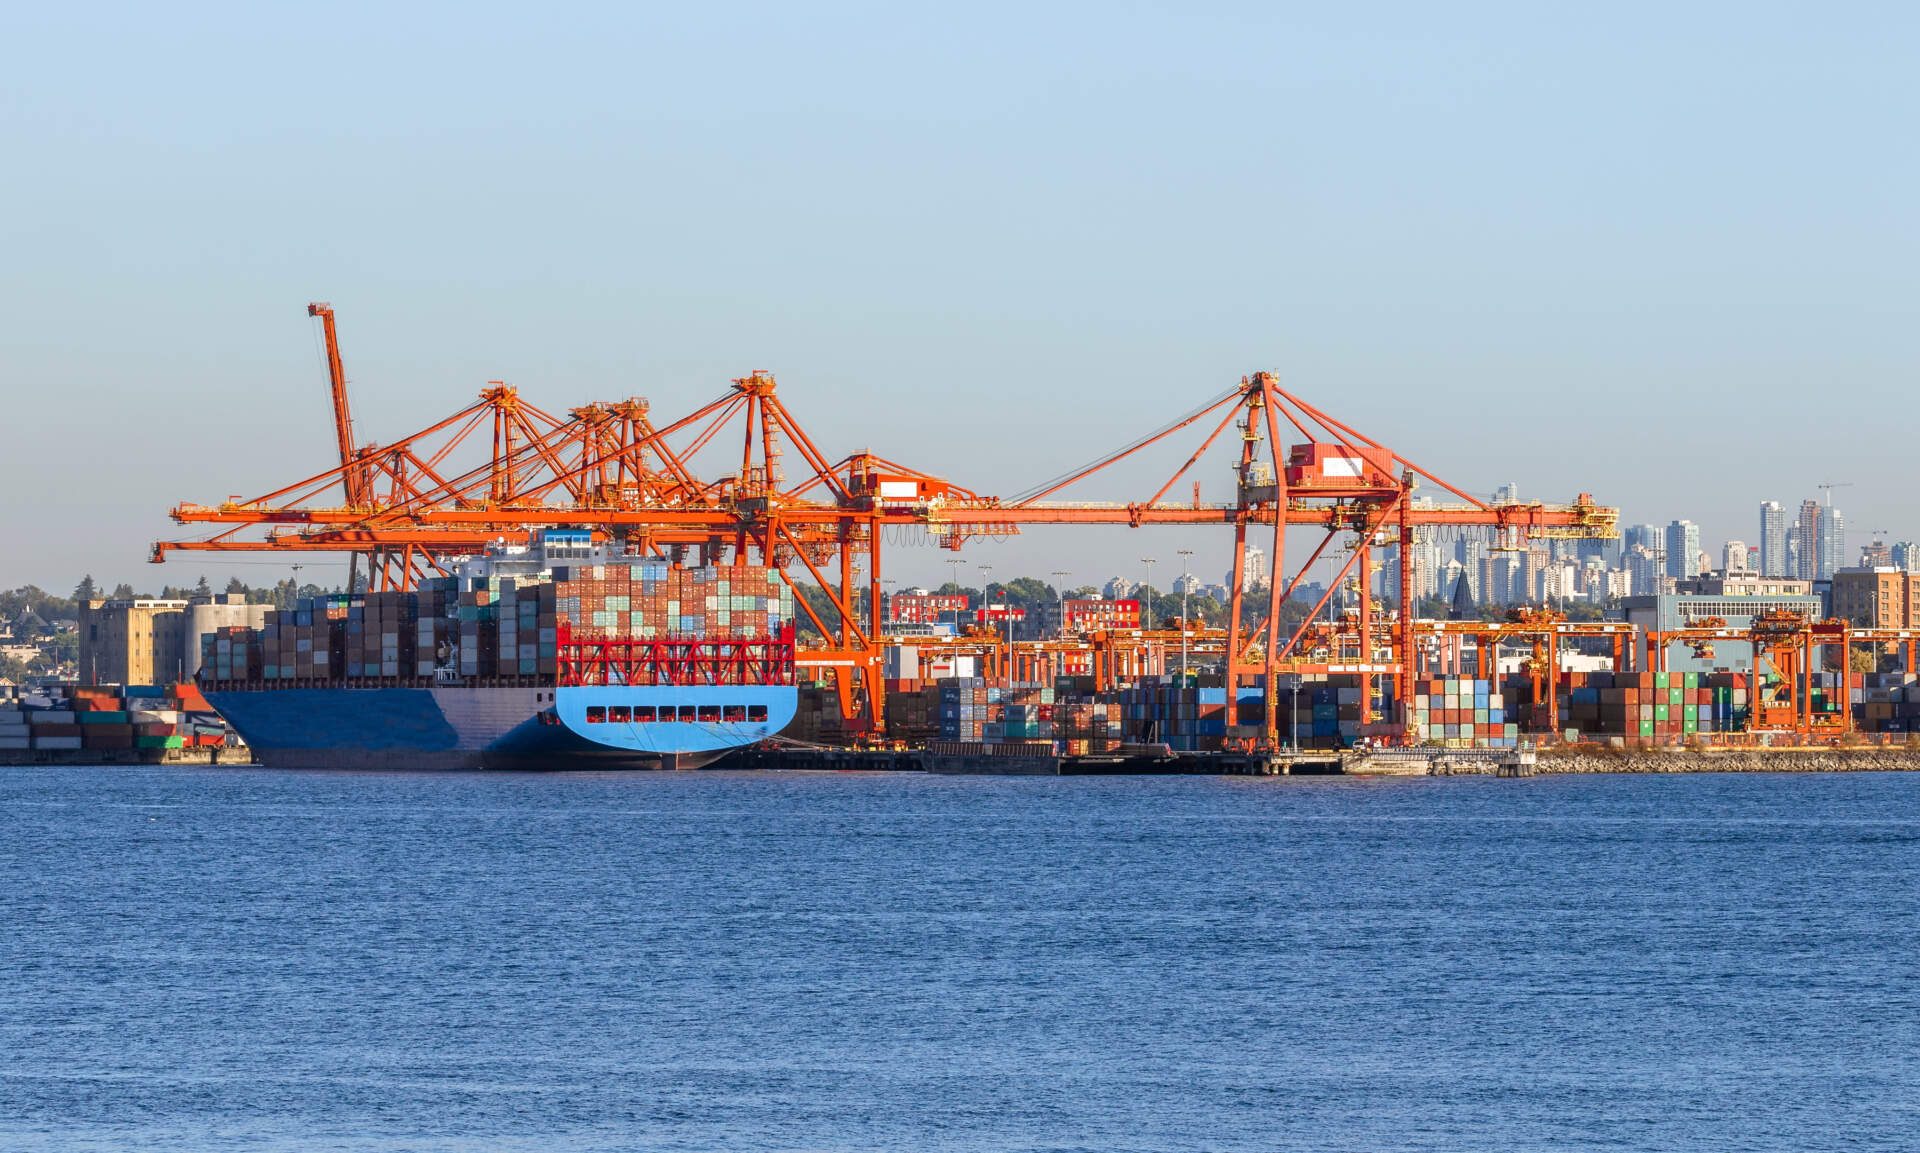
x,y
381,634
652,599
435,626
308,643
233,653
505,627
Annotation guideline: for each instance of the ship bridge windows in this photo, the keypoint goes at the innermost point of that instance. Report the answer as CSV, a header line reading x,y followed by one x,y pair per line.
x,y
668,714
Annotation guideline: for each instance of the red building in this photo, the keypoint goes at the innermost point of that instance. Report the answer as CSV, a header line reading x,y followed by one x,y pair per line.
x,y
924,608
1092,615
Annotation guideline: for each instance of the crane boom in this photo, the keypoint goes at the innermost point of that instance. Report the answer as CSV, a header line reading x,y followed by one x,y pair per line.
x,y
352,480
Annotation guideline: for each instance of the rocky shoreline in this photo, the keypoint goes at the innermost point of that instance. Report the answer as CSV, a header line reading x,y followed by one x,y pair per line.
x,y
1793,760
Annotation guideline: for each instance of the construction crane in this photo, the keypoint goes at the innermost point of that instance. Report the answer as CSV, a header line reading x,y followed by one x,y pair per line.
x,y
1827,487
608,467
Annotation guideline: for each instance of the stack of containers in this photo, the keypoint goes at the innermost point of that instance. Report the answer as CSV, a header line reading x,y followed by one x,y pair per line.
x,y
913,710
71,717
233,653
818,715
1832,693
302,645
479,635
1461,712
15,733
506,606
963,708
1025,713
157,719
103,719
1658,708
499,626
653,599
1087,726
1196,717
53,723
1888,703
435,613
381,635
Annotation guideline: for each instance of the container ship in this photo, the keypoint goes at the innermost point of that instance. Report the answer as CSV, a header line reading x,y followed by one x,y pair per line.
x,y
556,655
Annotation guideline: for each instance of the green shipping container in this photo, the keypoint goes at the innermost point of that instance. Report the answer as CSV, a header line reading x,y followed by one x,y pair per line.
x,y
1660,712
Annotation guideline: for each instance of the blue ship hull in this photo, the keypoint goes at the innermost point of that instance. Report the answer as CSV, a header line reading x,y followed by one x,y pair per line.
x,y
504,728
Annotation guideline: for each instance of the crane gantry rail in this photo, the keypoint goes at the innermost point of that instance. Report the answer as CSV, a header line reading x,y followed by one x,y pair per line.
x,y
405,505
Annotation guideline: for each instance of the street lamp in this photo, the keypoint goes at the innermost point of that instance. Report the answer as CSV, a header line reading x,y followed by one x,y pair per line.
x,y
1186,590
986,601
1146,604
956,562
1062,590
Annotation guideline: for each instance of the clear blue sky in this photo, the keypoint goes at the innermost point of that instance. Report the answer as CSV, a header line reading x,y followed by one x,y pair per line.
x,y
1662,253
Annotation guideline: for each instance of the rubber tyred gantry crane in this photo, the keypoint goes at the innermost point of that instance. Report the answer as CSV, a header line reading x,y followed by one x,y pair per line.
x,y
608,467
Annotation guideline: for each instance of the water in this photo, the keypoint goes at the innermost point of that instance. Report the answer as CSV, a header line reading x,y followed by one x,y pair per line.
x,y
210,959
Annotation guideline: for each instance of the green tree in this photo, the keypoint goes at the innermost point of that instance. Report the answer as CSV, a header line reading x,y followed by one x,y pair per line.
x,y
203,589
1026,592
85,591
122,592
234,585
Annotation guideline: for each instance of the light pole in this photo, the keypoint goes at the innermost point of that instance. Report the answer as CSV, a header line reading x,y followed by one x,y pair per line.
x,y
1146,603
886,612
956,562
1062,590
986,601
1186,590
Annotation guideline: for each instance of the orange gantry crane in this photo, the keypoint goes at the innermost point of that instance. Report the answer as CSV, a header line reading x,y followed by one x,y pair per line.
x,y
406,505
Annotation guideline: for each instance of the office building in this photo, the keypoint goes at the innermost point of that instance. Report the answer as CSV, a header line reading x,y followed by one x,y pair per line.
x,y
1773,540
1883,597
1683,549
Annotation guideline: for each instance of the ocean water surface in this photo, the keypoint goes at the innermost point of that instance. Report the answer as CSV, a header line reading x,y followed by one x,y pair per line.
x,y
207,959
